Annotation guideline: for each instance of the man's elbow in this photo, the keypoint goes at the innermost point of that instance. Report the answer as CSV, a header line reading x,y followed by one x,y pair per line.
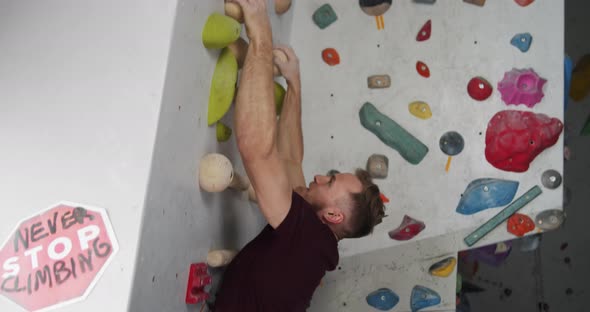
x,y
252,148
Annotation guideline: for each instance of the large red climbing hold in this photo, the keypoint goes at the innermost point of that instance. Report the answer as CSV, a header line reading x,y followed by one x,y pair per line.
x,y
515,138
479,89
422,69
424,33
408,229
520,224
524,3
330,56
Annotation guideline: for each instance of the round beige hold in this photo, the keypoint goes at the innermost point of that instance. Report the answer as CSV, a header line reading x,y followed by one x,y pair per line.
x,y
219,258
281,57
282,6
215,173
234,11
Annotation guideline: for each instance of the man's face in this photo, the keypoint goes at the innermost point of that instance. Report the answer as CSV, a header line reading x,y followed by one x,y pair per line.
x,y
325,192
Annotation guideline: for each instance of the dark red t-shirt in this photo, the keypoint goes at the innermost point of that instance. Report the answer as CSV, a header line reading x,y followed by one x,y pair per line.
x,y
280,269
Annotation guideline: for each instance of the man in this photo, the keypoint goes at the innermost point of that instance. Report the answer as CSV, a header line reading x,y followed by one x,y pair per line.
x,y
280,269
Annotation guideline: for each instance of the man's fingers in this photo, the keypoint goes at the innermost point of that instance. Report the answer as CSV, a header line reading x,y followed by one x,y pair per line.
x,y
287,50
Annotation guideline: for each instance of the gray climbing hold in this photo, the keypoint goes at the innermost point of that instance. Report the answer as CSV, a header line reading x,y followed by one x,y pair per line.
x,y
451,143
377,166
551,179
550,219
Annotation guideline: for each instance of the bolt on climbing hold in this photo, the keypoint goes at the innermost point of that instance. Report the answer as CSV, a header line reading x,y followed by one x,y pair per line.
x,y
379,81
420,109
377,166
479,88
422,69
324,16
522,41
476,2
424,33
331,56
551,179
520,224
521,86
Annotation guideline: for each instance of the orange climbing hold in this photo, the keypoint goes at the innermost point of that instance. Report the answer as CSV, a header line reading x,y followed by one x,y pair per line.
x,y
520,224
330,56
384,199
422,69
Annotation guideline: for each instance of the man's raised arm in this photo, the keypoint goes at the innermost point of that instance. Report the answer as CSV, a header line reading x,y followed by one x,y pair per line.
x,y
290,136
255,118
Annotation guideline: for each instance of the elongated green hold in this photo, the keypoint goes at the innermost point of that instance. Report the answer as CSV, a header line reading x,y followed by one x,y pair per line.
x,y
223,132
392,134
219,31
223,86
279,97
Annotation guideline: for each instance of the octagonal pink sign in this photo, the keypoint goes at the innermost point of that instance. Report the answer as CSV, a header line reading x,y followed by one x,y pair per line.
x,y
55,257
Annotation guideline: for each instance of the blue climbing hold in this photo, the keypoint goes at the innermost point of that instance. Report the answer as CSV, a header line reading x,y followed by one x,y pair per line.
x,y
522,41
423,297
486,193
382,299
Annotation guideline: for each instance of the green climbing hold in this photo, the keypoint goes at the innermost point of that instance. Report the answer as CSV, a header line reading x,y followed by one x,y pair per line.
x,y
223,132
324,16
392,134
223,86
220,31
279,97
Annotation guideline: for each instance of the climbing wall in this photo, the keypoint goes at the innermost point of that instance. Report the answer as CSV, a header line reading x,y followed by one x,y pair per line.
x,y
121,125
466,41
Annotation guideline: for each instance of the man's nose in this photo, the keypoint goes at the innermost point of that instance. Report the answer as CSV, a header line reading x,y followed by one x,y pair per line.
x,y
319,179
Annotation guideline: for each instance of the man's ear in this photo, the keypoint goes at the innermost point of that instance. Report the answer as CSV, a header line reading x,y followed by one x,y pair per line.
x,y
334,215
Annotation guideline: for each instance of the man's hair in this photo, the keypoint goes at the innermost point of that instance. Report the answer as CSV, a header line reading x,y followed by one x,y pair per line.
x,y
367,209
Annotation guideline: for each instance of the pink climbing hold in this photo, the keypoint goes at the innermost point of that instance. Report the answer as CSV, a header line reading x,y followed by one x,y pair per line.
x,y
515,138
408,229
424,33
521,86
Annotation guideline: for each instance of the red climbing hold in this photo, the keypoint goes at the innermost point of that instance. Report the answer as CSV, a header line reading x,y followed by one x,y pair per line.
x,y
422,69
524,3
330,56
515,138
520,224
424,32
408,229
479,89
384,198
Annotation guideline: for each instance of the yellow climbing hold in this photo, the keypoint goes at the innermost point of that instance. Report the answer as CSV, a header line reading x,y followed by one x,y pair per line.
x,y
223,132
223,86
220,31
444,267
420,109
279,97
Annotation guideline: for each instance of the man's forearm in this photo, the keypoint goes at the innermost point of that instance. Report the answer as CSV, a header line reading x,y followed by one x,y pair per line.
x,y
290,139
255,118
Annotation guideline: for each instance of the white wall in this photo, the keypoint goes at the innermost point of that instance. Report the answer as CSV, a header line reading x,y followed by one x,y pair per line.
x,y
181,223
80,90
